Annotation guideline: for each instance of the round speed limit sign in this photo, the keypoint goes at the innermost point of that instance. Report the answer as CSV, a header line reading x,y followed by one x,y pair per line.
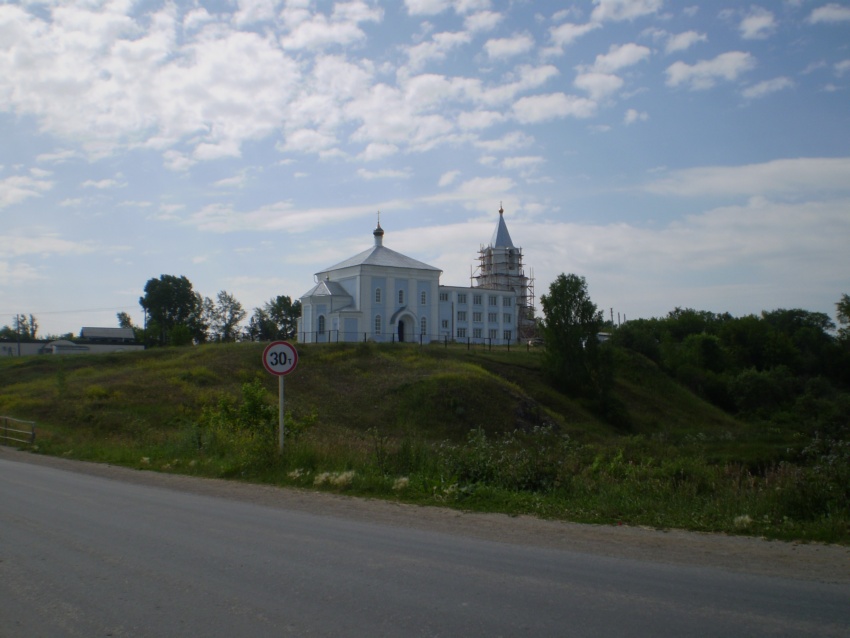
x,y
280,358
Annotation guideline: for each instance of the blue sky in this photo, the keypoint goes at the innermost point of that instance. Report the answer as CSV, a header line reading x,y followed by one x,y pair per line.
x,y
692,154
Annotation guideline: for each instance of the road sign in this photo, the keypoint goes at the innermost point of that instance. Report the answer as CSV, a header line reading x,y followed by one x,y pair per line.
x,y
280,358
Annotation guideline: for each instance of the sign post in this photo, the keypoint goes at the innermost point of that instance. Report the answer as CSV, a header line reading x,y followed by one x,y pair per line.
x,y
279,359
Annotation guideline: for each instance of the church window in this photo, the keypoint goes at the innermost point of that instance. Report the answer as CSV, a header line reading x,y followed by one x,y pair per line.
x,y
423,298
321,324
476,333
492,317
476,300
476,316
377,295
506,318
461,298
423,326
444,296
461,332
493,333
508,335
400,297
377,324
506,302
445,323
461,315
492,300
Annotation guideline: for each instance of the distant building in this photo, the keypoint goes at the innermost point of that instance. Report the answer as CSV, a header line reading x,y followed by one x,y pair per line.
x,y
91,341
384,296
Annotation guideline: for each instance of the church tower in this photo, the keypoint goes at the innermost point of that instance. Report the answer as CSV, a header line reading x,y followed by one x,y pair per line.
x,y
500,267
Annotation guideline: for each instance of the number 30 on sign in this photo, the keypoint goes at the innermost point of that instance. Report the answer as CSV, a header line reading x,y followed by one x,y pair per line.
x,y
280,358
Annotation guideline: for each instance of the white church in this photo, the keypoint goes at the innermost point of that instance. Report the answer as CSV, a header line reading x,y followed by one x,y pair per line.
x,y
383,296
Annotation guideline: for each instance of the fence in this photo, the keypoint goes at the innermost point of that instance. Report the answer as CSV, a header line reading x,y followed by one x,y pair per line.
x,y
16,431
487,343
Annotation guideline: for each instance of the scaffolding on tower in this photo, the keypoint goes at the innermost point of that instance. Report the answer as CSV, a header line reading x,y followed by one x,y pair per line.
x,y
501,268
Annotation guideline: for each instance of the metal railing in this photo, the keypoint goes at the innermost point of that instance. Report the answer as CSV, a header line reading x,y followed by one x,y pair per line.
x,y
16,431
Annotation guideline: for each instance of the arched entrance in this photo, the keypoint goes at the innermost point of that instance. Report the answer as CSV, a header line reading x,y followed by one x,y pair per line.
x,y
405,330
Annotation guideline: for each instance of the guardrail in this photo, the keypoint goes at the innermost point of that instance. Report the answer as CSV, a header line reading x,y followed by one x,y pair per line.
x,y
16,431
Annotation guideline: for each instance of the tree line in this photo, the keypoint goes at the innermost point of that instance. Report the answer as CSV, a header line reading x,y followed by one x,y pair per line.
x,y
175,315
782,366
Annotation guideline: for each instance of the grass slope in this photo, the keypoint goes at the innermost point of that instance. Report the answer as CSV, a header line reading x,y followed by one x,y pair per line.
x,y
464,427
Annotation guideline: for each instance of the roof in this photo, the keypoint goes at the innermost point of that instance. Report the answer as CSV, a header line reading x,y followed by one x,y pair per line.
x,y
327,289
501,238
108,333
382,256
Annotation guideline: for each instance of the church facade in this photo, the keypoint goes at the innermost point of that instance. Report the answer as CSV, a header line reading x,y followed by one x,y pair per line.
x,y
384,296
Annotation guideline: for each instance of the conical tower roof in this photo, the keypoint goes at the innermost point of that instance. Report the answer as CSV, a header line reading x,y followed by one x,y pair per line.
x,y
501,238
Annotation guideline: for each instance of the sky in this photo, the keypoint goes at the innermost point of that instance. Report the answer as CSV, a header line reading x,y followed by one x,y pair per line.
x,y
673,153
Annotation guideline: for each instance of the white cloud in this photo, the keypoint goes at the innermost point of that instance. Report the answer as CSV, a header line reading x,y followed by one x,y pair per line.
x,y
477,120
767,87
502,48
565,34
633,115
448,178
482,21
598,85
386,173
377,151
810,177
437,48
18,188
618,10
522,162
508,142
619,57
102,184
758,24
832,13
684,41
842,67
541,108
705,73
426,7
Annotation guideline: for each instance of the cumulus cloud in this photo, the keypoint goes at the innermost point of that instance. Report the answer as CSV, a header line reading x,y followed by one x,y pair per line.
x,y
565,34
633,115
830,13
758,24
767,87
705,73
386,173
598,85
501,48
619,57
618,10
684,41
540,108
18,188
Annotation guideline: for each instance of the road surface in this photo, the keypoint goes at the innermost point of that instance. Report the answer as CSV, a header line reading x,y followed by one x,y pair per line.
x,y
97,551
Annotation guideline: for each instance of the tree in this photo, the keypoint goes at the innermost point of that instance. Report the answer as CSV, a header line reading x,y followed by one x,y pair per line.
x,y
842,308
277,319
226,317
124,320
170,302
570,327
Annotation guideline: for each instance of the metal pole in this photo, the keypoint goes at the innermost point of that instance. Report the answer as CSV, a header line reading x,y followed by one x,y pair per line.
x,y
280,416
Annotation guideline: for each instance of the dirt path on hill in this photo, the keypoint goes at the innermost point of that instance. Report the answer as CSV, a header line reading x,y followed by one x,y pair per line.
x,y
801,561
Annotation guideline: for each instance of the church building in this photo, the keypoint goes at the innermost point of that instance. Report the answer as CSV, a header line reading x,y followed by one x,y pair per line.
x,y
384,296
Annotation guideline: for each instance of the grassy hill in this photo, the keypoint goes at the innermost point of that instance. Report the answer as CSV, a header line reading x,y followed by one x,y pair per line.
x,y
468,428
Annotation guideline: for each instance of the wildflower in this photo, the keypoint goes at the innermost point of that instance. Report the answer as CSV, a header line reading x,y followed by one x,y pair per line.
x,y
401,483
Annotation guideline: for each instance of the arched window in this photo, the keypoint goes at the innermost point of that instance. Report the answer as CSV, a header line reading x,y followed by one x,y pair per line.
x,y
423,298
423,325
400,297
377,324
377,295
321,324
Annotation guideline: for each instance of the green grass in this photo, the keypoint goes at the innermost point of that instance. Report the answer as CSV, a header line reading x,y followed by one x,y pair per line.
x,y
467,428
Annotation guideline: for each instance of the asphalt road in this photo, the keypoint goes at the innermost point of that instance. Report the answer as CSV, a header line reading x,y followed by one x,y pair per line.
x,y
85,555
